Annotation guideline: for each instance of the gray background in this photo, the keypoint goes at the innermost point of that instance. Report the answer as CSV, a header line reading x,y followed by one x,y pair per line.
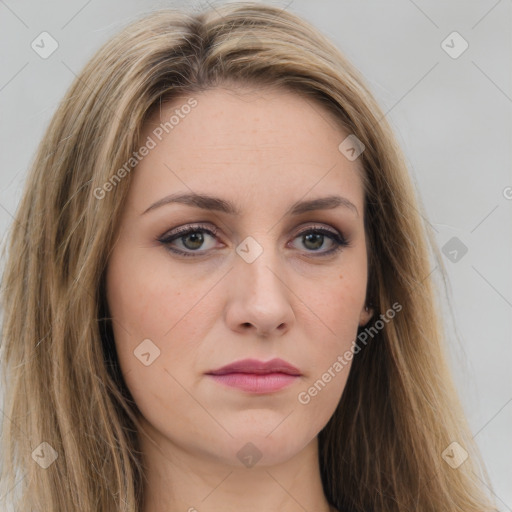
x,y
451,116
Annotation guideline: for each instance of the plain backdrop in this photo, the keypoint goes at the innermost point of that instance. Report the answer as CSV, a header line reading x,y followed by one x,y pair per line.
x,y
451,112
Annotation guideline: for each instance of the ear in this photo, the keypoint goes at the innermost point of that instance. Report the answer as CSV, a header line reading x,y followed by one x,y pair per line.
x,y
365,316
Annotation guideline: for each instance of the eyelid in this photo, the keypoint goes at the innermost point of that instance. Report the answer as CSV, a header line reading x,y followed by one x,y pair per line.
x,y
210,228
318,227
196,226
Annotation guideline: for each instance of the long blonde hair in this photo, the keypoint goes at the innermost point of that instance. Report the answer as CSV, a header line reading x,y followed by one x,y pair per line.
x,y
64,395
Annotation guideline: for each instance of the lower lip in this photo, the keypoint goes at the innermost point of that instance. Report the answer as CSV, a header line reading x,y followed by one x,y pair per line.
x,y
256,383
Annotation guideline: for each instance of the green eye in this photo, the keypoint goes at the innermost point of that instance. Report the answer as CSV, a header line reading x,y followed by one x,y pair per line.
x,y
192,240
314,238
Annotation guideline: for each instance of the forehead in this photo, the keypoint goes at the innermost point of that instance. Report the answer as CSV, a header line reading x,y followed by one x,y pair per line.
x,y
248,140
249,116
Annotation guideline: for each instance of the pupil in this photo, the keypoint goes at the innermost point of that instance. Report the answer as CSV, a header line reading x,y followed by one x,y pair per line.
x,y
197,240
311,237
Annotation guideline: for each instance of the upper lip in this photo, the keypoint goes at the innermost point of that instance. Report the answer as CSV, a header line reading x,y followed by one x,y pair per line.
x,y
259,367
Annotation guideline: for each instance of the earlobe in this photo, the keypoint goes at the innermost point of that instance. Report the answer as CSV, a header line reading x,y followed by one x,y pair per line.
x,y
366,315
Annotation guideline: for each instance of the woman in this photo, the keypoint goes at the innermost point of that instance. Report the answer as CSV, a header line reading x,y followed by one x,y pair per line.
x,y
217,293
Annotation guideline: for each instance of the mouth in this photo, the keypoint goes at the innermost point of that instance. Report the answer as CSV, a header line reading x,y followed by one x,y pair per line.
x,y
256,376
256,383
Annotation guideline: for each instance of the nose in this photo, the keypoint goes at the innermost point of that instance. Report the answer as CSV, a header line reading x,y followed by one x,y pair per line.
x,y
259,298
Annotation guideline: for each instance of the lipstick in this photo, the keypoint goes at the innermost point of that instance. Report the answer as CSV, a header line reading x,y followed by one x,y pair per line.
x,y
256,376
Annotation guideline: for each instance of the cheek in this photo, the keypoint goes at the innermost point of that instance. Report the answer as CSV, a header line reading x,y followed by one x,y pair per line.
x,y
318,398
148,302
331,318
335,305
147,296
158,324
334,327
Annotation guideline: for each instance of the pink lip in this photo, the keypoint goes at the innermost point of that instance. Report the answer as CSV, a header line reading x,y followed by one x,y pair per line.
x,y
256,383
257,376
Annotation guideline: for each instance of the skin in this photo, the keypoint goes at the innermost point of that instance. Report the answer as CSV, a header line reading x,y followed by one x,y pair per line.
x,y
263,150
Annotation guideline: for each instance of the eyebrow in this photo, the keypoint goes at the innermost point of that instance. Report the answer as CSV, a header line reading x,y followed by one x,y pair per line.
x,y
207,202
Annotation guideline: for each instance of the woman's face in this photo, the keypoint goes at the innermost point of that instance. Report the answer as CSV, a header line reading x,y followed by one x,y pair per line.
x,y
260,275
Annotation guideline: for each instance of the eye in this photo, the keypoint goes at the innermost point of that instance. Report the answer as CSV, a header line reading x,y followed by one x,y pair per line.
x,y
314,238
191,240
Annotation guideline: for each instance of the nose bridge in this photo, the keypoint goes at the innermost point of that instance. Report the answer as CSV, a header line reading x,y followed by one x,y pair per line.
x,y
258,266
259,295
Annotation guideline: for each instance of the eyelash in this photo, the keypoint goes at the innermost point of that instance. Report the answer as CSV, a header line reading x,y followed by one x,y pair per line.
x,y
339,240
